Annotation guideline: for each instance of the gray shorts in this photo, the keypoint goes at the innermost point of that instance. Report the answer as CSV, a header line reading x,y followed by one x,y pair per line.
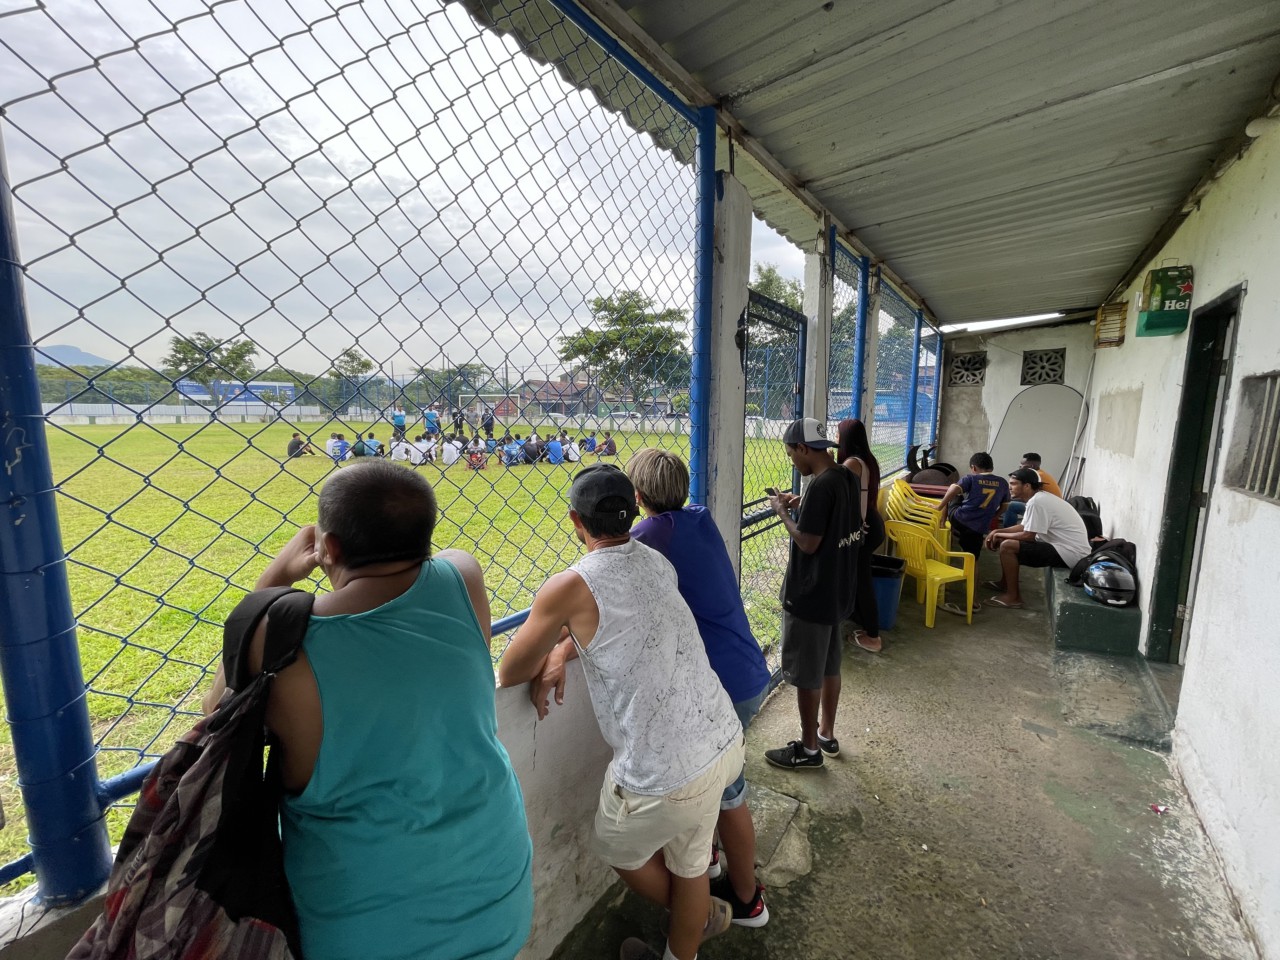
x,y
810,651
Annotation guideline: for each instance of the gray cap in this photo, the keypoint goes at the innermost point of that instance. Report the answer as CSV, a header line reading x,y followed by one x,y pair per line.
x,y
599,483
809,432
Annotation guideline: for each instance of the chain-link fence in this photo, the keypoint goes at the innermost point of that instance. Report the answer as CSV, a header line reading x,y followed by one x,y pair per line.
x,y
894,377
773,360
843,382
371,228
928,364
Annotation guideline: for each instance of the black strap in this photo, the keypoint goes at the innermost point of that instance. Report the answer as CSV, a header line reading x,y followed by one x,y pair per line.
x,y
289,608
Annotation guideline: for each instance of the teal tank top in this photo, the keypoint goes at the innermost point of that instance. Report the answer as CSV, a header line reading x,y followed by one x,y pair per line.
x,y
410,839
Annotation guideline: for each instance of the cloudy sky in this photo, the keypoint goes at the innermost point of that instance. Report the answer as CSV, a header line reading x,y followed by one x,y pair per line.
x,y
314,174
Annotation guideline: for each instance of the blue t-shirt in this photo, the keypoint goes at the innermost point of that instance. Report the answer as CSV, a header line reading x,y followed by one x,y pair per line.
x,y
589,444
398,419
433,421
340,449
690,539
555,451
984,493
511,452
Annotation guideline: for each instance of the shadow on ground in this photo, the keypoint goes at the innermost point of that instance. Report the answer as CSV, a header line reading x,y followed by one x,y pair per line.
x,y
992,800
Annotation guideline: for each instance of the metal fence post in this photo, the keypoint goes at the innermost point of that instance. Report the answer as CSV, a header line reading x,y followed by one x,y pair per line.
x,y
860,337
704,247
39,660
937,386
915,384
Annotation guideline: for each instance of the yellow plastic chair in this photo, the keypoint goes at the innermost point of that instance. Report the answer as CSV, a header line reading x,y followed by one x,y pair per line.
x,y
916,510
929,563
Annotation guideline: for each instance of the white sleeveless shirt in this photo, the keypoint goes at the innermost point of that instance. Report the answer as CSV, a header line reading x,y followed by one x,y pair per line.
x,y
657,700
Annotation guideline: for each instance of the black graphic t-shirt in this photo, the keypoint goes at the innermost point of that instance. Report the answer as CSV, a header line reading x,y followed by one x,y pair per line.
x,y
819,587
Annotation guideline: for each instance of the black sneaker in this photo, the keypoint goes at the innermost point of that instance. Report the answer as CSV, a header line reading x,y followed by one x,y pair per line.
x,y
830,747
753,914
794,757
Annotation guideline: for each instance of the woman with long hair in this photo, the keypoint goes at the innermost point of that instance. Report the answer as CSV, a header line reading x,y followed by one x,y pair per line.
x,y
854,452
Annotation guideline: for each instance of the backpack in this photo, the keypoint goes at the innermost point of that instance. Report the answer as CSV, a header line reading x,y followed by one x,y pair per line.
x,y
1087,507
199,874
1121,551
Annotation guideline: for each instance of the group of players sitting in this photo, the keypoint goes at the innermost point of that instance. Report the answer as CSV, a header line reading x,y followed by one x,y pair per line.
x,y
449,448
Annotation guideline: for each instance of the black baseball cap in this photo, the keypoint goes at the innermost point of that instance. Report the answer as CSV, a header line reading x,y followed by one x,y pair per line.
x,y
1026,475
595,486
808,431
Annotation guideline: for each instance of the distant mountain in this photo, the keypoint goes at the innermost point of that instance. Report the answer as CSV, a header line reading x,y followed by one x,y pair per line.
x,y
58,353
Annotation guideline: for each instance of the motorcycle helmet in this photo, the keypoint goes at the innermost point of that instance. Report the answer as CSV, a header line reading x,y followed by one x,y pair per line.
x,y
1111,583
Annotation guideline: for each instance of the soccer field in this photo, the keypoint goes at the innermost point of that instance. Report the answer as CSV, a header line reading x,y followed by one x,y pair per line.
x,y
167,526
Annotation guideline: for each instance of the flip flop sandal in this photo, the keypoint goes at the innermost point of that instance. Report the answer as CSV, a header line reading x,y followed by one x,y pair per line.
x,y
997,602
959,611
862,636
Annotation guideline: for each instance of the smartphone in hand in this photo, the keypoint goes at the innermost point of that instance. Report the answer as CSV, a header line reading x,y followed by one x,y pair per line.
x,y
771,491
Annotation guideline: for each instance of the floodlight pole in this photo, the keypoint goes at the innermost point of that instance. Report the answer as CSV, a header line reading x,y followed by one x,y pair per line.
x,y
39,660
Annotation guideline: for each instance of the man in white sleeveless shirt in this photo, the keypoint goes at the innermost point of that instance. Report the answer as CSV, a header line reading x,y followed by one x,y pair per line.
x,y
676,740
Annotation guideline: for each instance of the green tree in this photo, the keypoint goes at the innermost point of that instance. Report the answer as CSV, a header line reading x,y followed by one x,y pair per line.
x,y
351,364
775,286
452,385
217,365
630,346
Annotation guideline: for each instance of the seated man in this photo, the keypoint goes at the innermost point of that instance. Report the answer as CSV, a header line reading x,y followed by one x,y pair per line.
x,y
677,743
427,833
424,449
357,448
555,450
330,444
1032,462
589,444
450,451
372,445
402,450
1051,535
341,449
982,495
299,447
607,447
532,449
572,452
689,538
511,447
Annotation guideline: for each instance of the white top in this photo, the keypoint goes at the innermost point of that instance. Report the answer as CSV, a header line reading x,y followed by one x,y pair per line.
x,y
657,700
1055,522
450,451
423,449
402,450
571,452
330,444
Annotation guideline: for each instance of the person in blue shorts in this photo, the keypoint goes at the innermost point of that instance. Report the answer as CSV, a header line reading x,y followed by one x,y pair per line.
x,y
689,539
431,420
397,422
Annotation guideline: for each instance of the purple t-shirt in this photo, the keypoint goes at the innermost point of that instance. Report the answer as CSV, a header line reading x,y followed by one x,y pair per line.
x,y
984,494
690,539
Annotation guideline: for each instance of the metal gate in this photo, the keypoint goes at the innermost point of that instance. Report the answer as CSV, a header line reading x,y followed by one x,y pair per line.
x,y
772,338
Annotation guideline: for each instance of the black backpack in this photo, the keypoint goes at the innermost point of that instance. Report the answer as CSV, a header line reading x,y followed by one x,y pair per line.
x,y
200,872
1121,551
1087,507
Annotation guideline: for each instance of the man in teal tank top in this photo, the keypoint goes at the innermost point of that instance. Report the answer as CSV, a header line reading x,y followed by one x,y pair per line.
x,y
404,827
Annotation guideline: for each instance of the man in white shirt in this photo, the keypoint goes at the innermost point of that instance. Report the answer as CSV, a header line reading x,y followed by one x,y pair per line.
x,y
1051,534
426,449
572,452
450,451
402,450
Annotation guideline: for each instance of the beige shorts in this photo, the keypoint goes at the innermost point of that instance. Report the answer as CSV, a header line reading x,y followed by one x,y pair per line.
x,y
631,827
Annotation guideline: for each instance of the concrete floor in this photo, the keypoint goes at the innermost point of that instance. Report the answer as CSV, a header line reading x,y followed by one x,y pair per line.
x,y
992,801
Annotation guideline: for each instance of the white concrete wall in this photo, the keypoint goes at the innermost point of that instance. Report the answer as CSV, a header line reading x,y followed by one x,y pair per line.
x,y
1230,705
560,762
971,415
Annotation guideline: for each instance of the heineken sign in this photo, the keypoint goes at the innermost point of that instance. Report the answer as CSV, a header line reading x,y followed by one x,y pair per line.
x,y
1166,301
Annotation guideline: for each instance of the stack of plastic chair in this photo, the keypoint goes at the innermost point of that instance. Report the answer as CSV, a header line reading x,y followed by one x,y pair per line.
x,y
929,563
905,505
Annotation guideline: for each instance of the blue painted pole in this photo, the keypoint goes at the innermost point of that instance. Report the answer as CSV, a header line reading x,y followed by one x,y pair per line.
x,y
704,254
915,385
39,660
764,409
860,337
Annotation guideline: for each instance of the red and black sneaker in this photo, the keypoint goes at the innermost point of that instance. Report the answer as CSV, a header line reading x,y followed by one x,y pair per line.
x,y
715,870
753,914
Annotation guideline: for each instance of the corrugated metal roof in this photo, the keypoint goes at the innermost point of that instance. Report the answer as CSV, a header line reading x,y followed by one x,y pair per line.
x,y
1003,158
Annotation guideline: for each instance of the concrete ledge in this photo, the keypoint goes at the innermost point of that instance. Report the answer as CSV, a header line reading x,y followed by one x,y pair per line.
x,y
1079,623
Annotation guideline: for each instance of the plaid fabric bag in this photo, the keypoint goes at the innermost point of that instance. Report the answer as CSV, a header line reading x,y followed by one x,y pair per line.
x,y
200,872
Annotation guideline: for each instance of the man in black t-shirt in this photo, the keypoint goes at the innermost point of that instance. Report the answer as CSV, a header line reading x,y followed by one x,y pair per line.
x,y
818,591
299,447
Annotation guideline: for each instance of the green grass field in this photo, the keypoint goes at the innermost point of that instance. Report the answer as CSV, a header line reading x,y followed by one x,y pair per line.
x,y
166,527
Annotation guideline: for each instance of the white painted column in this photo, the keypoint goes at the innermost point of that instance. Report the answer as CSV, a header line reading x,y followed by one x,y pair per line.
x,y
871,353
818,300
729,280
